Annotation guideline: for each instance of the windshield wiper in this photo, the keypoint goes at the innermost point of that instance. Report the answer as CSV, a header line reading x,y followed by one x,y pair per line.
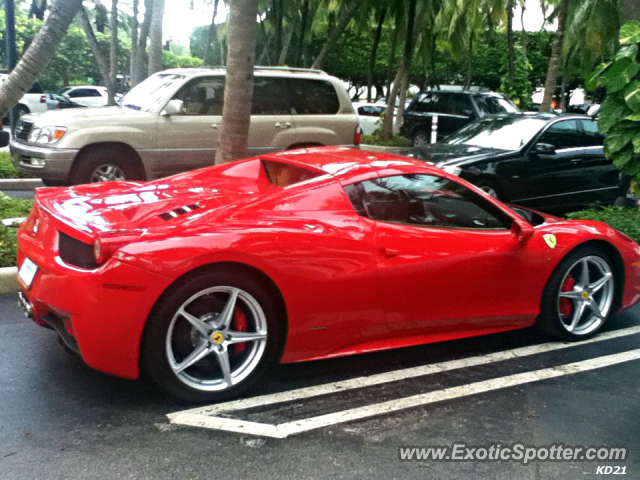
x,y
132,106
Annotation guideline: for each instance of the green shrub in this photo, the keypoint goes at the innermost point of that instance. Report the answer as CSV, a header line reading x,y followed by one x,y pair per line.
x,y
397,141
627,220
7,170
10,207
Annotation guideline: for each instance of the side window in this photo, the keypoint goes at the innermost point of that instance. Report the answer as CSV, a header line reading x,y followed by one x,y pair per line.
x,y
313,97
562,135
460,105
78,92
591,136
92,92
430,102
424,200
269,97
202,96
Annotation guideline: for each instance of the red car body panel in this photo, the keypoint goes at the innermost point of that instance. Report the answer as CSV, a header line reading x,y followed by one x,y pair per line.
x,y
349,284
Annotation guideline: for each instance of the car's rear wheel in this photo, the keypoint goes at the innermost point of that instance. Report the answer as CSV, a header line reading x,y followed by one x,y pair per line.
x,y
421,137
212,337
489,187
580,295
103,166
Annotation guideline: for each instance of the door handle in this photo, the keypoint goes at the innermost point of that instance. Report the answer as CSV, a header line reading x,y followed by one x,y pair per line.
x,y
215,126
283,125
389,252
577,160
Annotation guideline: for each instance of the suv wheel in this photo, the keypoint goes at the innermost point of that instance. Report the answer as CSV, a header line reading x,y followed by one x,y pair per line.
x,y
101,166
421,138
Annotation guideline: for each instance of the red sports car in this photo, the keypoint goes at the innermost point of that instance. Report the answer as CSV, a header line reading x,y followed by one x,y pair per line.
x,y
205,278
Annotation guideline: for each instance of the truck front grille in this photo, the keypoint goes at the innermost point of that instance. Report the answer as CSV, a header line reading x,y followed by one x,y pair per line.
x,y
23,129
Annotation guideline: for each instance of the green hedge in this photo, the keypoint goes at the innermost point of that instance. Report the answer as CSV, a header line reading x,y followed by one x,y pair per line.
x,y
627,220
10,207
397,141
7,169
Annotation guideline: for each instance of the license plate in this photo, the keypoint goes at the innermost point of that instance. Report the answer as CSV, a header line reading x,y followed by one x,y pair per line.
x,y
28,272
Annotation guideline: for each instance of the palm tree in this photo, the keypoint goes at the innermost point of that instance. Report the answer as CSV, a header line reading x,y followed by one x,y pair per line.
x,y
101,61
347,11
141,51
236,110
155,37
39,53
554,60
113,52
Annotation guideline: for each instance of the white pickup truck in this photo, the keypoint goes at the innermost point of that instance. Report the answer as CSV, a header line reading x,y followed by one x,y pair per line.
x,y
34,101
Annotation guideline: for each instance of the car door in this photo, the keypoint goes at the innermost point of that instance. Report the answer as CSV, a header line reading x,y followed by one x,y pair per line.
x,y
272,125
604,179
188,140
448,259
457,111
550,175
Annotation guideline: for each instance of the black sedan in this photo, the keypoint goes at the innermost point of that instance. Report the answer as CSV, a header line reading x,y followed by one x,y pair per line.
x,y
545,161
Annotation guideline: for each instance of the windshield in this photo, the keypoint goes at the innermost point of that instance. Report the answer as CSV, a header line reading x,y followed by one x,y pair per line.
x,y
506,133
152,93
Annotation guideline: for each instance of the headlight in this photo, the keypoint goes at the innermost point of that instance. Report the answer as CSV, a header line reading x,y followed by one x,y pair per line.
x,y
450,169
47,135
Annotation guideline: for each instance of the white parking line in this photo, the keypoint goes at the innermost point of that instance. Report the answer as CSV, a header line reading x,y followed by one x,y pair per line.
x,y
380,378
298,426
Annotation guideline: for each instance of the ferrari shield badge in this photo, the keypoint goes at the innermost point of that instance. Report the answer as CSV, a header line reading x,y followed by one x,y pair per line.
x,y
550,240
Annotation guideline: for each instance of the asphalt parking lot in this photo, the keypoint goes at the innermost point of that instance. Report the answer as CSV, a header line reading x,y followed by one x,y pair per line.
x,y
60,419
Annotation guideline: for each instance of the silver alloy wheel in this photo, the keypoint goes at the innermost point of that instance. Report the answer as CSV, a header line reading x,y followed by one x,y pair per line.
x,y
489,191
106,173
211,336
420,138
591,295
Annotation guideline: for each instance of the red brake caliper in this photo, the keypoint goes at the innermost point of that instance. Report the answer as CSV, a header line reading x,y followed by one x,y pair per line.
x,y
566,305
239,324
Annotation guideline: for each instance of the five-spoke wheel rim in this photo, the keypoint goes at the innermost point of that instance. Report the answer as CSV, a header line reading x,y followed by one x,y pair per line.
x,y
586,295
107,173
216,338
420,138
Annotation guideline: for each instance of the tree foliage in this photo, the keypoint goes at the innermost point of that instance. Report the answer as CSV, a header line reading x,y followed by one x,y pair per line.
x,y
620,112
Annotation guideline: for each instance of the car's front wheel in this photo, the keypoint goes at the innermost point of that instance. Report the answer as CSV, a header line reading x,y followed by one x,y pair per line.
x,y
104,166
212,337
580,295
421,137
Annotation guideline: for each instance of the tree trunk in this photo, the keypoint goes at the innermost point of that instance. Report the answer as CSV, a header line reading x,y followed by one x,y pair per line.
x,y
278,12
155,37
39,53
38,9
101,61
630,10
303,28
238,91
554,61
523,33
211,37
469,80
404,84
113,53
510,46
265,50
374,51
346,14
405,63
140,73
392,52
282,60
134,41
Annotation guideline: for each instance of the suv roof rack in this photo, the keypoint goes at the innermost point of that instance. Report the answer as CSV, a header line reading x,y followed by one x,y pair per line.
x,y
284,68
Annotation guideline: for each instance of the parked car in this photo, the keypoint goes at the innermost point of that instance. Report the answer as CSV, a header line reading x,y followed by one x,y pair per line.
x,y
34,101
87,95
544,160
453,110
327,252
55,101
170,123
369,116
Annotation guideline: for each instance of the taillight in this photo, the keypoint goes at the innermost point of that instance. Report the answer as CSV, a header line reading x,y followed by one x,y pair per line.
x,y
43,99
357,137
105,245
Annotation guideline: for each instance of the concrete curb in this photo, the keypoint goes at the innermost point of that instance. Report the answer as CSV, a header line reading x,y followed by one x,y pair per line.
x,y
9,280
20,183
378,148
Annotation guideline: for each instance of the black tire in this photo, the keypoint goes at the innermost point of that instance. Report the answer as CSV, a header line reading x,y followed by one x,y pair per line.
x,y
489,187
85,167
421,137
551,319
155,354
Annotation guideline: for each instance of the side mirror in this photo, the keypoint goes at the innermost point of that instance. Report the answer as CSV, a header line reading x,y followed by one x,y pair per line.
x,y
522,230
174,107
544,148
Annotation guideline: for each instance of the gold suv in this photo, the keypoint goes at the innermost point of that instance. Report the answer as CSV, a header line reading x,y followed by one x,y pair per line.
x,y
171,122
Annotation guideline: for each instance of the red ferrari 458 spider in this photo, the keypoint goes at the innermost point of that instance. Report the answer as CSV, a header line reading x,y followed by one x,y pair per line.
x,y
204,279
